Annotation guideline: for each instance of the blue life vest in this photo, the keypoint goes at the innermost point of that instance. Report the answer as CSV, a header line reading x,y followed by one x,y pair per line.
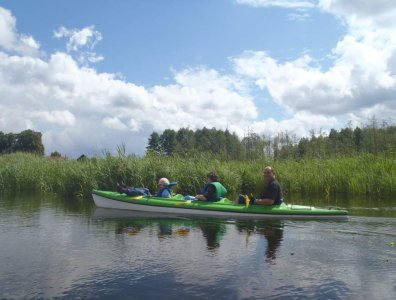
x,y
160,192
167,188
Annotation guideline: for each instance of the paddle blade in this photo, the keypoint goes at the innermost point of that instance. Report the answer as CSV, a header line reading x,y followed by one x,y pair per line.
x,y
135,198
247,201
183,203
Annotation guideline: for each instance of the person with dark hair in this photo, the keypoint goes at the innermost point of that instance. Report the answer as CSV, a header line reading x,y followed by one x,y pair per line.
x,y
213,190
273,192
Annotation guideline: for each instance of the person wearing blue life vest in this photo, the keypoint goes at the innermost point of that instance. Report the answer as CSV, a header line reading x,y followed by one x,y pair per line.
x,y
165,188
164,192
213,190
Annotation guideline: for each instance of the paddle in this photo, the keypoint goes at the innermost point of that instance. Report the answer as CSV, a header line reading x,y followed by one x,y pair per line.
x,y
135,198
247,201
183,203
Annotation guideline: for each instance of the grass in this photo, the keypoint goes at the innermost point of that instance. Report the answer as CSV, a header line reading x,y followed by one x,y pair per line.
x,y
359,175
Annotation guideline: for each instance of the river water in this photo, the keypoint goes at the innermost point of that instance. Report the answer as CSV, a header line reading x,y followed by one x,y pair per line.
x,y
51,247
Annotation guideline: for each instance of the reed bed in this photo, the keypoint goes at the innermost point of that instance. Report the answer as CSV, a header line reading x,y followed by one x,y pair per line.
x,y
359,175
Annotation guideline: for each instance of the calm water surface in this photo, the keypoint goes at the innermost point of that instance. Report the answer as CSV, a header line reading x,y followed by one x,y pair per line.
x,y
63,248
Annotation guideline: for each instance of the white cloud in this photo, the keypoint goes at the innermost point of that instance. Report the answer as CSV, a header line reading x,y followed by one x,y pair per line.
x,y
361,80
80,110
57,117
7,28
299,16
61,99
279,3
363,13
300,124
295,84
11,41
114,123
80,39
300,8
203,97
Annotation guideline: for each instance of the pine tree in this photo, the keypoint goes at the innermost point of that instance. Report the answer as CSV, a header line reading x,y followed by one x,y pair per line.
x,y
154,144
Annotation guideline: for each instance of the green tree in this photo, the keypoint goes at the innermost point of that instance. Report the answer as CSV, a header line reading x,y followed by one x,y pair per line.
x,y
7,142
184,141
55,154
202,140
234,147
154,143
254,145
302,147
29,141
358,139
168,141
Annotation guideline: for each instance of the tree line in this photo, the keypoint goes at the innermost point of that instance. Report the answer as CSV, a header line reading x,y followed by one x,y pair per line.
x,y
375,138
25,141
186,142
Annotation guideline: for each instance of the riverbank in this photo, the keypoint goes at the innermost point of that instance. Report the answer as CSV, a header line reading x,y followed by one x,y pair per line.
x,y
366,175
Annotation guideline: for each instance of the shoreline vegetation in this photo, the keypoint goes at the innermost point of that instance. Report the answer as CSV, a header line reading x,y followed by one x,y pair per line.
x,y
346,163
366,175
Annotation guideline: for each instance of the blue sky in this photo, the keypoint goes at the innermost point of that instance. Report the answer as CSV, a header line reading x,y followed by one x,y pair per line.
x,y
144,40
91,75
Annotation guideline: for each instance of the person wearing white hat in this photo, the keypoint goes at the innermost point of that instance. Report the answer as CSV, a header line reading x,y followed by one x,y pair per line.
x,y
165,189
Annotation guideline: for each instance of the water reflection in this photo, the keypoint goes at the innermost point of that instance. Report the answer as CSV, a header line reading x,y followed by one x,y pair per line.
x,y
213,230
30,203
271,230
132,223
129,230
165,230
356,205
274,238
54,249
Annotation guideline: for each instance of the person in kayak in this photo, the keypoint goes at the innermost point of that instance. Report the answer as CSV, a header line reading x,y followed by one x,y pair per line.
x,y
273,192
165,188
213,190
133,191
164,192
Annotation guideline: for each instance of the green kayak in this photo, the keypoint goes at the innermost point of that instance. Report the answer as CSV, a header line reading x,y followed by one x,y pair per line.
x,y
223,208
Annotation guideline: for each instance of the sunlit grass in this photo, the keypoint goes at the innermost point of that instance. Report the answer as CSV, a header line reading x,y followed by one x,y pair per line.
x,y
360,175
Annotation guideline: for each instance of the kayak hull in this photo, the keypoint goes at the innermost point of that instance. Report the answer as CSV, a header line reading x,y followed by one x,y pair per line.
x,y
226,208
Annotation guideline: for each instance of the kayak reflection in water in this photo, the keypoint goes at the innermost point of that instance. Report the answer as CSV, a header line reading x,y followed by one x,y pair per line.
x,y
128,229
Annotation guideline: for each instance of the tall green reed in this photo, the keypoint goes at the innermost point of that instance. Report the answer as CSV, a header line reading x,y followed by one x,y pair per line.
x,y
358,175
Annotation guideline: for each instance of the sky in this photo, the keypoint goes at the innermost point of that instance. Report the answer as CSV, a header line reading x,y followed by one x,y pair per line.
x,y
93,75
